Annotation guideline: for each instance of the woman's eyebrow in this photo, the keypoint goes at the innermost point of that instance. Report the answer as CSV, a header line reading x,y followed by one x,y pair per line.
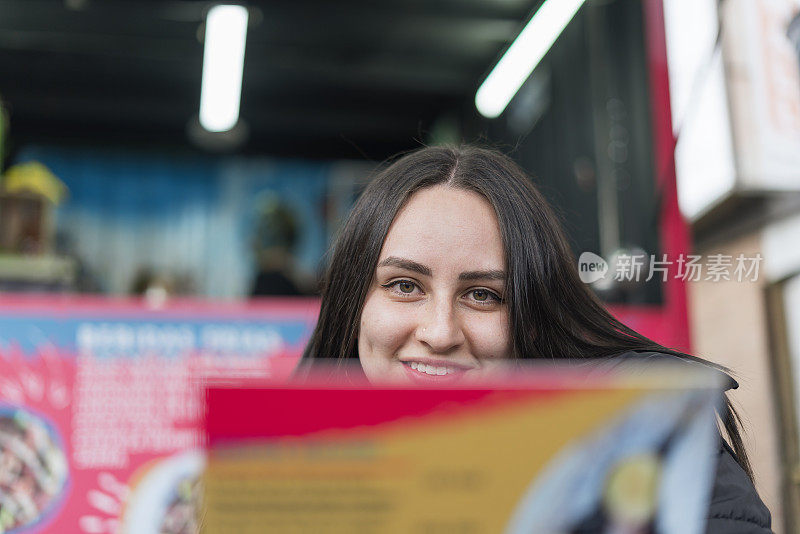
x,y
482,275
410,265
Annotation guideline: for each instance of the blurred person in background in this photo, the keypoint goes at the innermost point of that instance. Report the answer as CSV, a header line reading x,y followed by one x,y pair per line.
x,y
451,262
276,238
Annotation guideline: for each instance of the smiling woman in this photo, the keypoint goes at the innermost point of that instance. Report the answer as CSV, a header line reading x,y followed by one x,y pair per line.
x,y
451,262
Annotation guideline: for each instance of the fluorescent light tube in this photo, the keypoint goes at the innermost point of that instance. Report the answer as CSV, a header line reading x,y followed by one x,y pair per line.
x,y
223,60
523,55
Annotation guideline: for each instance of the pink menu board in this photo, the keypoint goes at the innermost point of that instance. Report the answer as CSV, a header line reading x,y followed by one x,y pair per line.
x,y
101,404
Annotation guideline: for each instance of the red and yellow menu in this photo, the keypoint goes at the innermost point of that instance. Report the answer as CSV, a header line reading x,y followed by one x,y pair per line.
x,y
548,451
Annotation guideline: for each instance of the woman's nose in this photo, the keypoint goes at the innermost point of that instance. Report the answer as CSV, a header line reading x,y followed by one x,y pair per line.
x,y
440,328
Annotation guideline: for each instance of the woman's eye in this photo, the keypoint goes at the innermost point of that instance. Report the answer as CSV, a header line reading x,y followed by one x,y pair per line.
x,y
480,294
484,296
405,287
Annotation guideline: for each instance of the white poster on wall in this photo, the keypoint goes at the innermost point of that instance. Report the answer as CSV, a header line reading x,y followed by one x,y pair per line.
x,y
704,154
763,74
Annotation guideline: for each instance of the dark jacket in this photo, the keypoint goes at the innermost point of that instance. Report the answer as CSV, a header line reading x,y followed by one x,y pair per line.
x,y
736,507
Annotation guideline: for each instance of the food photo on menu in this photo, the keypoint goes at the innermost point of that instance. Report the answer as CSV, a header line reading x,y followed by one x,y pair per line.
x,y
33,469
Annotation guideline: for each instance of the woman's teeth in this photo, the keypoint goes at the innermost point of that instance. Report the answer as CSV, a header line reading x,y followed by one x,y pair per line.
x,y
432,369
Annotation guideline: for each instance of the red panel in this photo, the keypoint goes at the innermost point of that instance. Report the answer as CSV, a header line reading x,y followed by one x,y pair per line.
x,y
236,413
668,324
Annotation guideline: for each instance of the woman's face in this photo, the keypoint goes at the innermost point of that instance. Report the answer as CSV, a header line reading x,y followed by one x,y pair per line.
x,y
435,311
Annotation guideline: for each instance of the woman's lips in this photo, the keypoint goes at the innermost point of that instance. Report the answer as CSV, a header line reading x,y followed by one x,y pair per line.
x,y
433,372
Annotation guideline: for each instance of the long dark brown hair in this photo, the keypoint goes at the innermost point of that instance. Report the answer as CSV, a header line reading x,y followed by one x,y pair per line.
x,y
552,313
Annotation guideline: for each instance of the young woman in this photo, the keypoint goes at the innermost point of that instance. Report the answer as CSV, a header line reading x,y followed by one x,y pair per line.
x,y
450,262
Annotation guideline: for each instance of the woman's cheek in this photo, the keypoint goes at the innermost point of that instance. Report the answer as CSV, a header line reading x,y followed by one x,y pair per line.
x,y
385,326
490,335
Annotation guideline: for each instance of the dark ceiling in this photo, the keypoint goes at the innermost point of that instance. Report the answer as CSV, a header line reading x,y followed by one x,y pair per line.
x,y
339,78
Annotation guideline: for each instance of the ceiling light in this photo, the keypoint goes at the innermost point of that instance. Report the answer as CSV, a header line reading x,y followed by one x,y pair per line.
x,y
223,60
523,55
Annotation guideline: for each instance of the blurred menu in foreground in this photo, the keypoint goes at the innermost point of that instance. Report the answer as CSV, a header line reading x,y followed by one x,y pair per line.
x,y
101,404
550,450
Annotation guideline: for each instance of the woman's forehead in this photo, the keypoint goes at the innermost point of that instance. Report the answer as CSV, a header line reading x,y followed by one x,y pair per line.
x,y
448,227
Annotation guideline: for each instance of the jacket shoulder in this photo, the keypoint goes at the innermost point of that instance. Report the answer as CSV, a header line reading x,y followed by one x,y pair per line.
x,y
735,507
